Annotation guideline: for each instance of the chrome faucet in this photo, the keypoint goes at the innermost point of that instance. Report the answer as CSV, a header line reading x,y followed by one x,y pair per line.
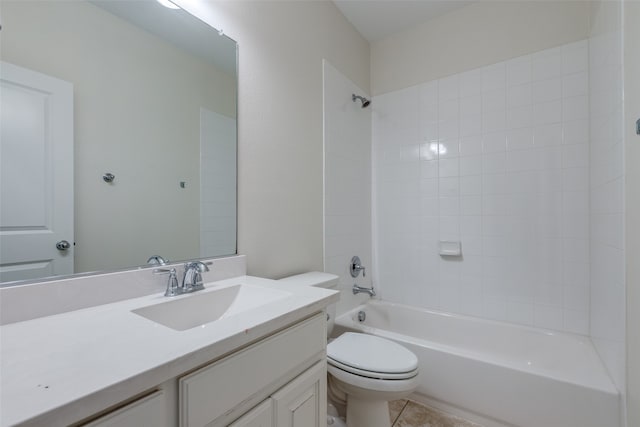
x,y
356,267
192,278
358,289
157,260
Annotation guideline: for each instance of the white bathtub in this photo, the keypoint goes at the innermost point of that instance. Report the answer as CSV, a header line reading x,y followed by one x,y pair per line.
x,y
515,375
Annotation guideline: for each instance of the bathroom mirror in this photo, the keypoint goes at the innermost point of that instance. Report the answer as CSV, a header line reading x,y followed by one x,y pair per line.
x,y
118,137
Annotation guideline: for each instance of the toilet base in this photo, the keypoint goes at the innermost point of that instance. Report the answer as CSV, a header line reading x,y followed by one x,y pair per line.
x,y
367,413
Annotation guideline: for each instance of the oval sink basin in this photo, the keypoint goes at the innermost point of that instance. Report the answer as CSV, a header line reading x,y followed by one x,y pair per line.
x,y
208,306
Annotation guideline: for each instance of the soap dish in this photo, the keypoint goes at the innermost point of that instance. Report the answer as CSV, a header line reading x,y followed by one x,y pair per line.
x,y
450,248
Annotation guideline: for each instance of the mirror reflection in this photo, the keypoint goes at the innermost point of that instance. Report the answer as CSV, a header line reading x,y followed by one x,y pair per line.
x,y
118,137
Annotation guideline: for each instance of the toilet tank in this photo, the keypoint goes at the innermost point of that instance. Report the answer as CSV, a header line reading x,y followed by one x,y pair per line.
x,y
320,280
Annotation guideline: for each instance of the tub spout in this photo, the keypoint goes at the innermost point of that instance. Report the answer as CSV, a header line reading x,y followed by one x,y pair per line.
x,y
358,289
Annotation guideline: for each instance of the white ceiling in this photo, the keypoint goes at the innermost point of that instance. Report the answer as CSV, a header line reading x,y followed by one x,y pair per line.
x,y
376,19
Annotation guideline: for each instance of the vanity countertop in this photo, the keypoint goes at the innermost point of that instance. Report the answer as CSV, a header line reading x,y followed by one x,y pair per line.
x,y
61,368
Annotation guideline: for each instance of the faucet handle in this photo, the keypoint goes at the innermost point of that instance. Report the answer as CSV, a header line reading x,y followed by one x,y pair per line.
x,y
355,268
172,284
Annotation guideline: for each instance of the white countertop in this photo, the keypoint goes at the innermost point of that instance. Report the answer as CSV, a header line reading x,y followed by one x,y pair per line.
x,y
58,369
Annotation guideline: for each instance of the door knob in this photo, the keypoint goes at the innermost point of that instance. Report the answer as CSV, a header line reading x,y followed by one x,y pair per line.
x,y
63,245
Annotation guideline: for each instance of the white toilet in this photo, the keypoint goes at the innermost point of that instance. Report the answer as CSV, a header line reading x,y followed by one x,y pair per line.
x,y
370,371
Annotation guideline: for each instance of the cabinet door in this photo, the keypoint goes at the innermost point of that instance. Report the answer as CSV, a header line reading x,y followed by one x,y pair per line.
x,y
208,394
260,416
303,402
147,411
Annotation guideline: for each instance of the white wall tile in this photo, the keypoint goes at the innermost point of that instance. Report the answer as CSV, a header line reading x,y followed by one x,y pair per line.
x,y
548,317
518,139
449,129
494,120
494,163
548,134
448,167
519,117
546,64
576,132
348,164
575,57
493,77
470,165
471,125
546,90
449,187
603,58
449,148
470,145
506,169
494,142
494,100
575,108
470,185
470,106
449,206
448,88
470,83
449,110
518,71
575,84
518,96
547,112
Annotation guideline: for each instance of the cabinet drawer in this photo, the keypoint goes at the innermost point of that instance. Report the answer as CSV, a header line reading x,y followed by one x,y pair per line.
x,y
216,389
147,411
260,416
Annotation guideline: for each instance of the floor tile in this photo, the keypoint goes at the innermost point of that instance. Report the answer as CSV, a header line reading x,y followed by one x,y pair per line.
x,y
395,408
416,415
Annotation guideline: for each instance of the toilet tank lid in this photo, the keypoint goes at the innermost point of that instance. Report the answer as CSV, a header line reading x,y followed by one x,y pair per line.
x,y
314,278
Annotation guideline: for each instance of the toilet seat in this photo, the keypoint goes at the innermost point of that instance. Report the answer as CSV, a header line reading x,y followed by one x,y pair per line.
x,y
371,357
370,385
371,374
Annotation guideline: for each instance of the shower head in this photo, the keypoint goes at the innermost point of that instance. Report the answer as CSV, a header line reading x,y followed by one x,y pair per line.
x,y
365,101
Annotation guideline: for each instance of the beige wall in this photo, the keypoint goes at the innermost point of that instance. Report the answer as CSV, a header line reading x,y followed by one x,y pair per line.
x,y
124,125
480,34
632,195
281,47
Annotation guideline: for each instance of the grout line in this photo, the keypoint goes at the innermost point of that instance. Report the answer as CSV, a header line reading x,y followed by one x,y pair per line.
x,y
400,413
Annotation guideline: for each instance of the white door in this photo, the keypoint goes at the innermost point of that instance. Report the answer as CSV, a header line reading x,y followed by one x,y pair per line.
x,y
36,174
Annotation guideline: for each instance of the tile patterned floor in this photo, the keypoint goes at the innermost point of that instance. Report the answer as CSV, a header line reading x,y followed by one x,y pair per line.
x,y
406,413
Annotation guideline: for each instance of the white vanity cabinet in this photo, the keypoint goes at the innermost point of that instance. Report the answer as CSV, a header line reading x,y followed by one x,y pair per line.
x,y
283,375
238,368
147,411
301,403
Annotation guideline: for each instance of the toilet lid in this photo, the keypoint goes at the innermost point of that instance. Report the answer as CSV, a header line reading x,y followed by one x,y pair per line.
x,y
371,353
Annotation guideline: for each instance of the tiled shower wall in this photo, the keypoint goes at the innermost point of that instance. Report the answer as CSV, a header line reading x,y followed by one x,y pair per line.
x,y
347,183
497,158
607,188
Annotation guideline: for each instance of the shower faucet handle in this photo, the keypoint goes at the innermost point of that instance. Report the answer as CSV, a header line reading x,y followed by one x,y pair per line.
x,y
355,267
